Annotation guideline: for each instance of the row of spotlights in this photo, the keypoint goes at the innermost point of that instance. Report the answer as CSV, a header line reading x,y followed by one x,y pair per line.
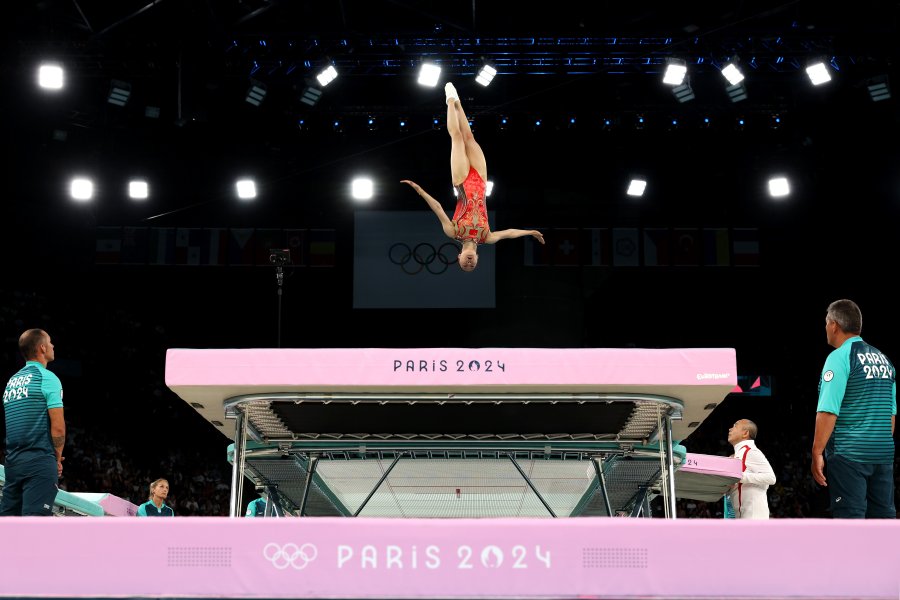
x,y
82,189
430,75
779,187
676,73
361,188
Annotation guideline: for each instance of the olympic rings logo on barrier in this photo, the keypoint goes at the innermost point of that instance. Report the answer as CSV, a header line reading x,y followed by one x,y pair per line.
x,y
290,555
423,256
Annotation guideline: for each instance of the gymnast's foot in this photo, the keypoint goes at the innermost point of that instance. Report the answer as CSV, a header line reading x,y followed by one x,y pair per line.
x,y
450,92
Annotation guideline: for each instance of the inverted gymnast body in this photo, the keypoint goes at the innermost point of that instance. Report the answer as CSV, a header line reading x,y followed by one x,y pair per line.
x,y
468,170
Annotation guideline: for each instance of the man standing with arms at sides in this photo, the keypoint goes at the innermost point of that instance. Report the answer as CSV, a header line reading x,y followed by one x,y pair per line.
x,y
35,431
748,497
855,421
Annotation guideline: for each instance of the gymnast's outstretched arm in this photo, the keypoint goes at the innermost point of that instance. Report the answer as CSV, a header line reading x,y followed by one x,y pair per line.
x,y
446,224
508,234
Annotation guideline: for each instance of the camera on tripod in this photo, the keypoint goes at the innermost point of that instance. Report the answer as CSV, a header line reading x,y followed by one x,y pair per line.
x,y
279,256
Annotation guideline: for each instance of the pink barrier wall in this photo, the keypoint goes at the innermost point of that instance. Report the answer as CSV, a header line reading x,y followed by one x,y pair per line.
x,y
329,367
380,558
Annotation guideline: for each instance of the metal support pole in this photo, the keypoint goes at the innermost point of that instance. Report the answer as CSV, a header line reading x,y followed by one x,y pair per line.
x,y
310,471
237,472
378,485
531,485
638,507
670,466
598,468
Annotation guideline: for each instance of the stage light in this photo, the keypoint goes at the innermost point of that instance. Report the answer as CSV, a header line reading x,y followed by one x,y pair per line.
x,y
372,123
818,73
732,73
50,76
436,123
636,187
337,126
138,189
403,124
488,188
676,71
504,123
429,74
257,93
779,187
327,75
119,92
246,189
81,189
362,188
486,75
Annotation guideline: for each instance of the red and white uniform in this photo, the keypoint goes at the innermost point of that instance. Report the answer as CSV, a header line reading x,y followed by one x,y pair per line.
x,y
470,216
749,496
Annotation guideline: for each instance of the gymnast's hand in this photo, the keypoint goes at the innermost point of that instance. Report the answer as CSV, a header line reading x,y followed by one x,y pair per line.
x,y
537,235
412,184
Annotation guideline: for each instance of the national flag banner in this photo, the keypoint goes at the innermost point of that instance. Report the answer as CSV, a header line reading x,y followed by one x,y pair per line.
x,y
109,246
745,247
565,247
656,247
715,248
187,246
625,247
402,259
686,247
134,245
162,246
596,244
240,247
214,246
295,241
537,254
322,247
266,240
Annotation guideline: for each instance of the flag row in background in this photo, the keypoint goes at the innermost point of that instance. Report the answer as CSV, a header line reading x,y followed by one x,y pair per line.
x,y
647,247
212,247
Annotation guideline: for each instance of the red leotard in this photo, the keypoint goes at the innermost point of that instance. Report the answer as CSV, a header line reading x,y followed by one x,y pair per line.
x,y
470,215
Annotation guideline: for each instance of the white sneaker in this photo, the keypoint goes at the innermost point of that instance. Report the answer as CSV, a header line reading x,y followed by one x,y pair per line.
x,y
450,92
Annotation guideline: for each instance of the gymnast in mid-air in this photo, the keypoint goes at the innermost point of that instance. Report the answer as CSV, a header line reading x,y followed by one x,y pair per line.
x,y
468,170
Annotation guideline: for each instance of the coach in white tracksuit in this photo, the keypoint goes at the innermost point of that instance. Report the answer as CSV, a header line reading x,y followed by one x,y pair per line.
x,y
748,497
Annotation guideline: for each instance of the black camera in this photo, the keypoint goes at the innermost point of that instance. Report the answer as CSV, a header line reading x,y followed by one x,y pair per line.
x,y
279,256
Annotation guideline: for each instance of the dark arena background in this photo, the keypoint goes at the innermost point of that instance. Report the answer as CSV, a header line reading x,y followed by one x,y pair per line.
x,y
190,96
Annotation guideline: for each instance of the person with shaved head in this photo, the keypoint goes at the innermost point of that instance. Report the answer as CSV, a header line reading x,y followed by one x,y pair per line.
x,y
747,498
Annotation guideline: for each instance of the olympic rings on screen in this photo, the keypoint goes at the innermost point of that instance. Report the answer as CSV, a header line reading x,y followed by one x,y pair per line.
x,y
423,256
